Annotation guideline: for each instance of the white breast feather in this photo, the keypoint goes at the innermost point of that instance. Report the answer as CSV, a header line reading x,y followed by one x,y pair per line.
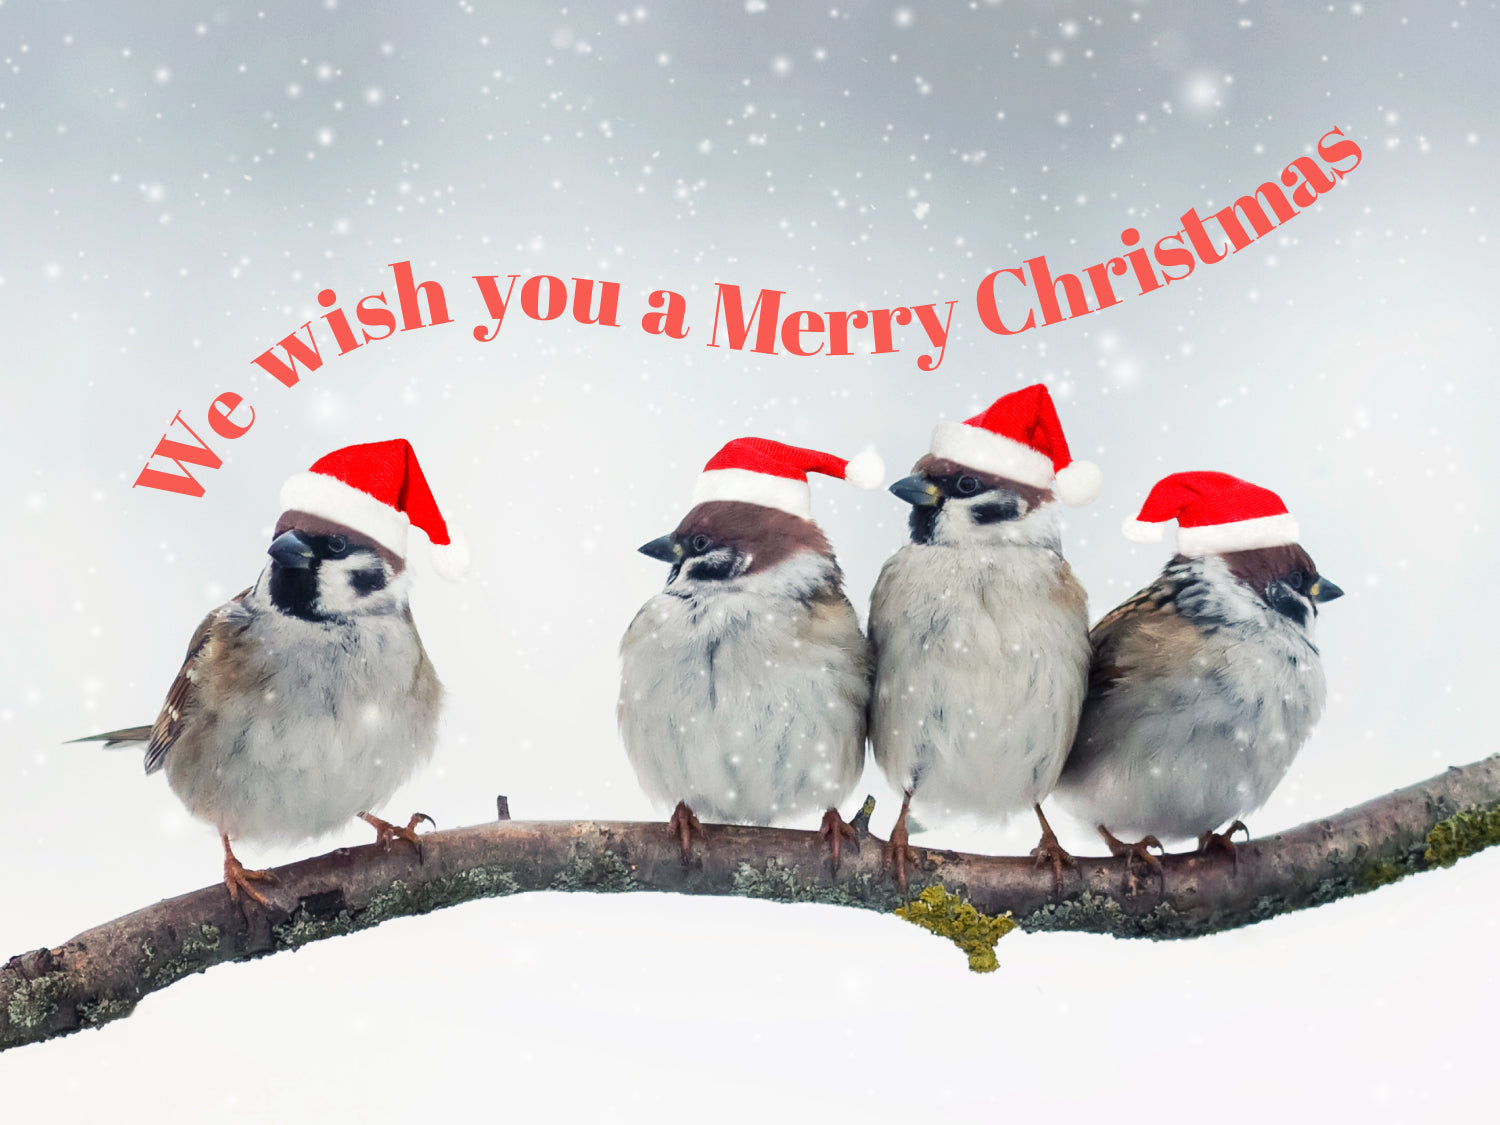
x,y
336,733
722,707
980,674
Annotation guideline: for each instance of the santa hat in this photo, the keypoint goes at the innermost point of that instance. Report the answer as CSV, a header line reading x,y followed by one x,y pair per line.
x,y
1215,513
378,490
765,472
1020,437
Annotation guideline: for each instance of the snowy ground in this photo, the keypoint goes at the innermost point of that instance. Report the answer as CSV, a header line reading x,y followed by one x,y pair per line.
x,y
179,186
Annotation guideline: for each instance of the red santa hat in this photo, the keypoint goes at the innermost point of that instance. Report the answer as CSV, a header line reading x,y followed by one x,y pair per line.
x,y
765,472
1020,437
1215,513
378,490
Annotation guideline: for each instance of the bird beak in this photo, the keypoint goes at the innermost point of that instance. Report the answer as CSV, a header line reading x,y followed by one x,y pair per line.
x,y
291,551
918,491
665,549
1323,590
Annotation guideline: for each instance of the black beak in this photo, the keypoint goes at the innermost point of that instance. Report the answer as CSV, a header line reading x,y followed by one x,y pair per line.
x,y
918,491
1323,590
664,549
291,551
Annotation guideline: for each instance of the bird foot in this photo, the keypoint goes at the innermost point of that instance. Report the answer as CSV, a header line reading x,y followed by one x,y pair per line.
x,y
387,833
239,879
897,852
1223,842
1135,853
1050,851
683,823
835,831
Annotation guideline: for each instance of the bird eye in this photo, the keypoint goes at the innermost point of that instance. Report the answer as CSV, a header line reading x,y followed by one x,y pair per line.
x,y
700,543
968,485
337,545
1296,580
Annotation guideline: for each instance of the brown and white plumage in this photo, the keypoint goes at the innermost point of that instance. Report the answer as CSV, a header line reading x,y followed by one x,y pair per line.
x,y
744,681
302,702
980,634
1202,689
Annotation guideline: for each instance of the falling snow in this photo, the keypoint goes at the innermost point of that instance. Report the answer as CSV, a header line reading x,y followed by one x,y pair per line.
x,y
180,186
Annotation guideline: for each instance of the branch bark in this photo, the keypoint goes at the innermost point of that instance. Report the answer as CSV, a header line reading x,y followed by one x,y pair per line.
x,y
101,975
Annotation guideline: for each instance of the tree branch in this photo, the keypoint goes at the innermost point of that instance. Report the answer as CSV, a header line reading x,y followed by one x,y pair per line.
x,y
102,974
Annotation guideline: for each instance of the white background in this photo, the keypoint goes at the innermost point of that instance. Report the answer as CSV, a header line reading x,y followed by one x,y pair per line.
x,y
180,181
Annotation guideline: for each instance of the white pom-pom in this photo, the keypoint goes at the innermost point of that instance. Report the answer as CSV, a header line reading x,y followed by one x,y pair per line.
x,y
1078,483
451,560
866,470
1139,532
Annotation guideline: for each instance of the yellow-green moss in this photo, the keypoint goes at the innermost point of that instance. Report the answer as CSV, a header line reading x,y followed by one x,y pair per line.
x,y
1463,833
1381,874
951,917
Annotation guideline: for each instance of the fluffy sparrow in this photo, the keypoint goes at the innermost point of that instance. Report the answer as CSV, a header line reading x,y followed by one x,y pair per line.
x,y
744,682
1205,684
978,627
308,699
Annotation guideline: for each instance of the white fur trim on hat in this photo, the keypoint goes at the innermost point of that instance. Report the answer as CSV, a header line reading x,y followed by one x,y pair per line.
x,y
332,499
1242,535
1139,531
988,452
751,487
451,559
1078,482
865,470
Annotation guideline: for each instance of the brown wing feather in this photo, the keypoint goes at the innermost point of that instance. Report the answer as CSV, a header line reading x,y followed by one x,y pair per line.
x,y
832,620
168,726
1106,638
1143,638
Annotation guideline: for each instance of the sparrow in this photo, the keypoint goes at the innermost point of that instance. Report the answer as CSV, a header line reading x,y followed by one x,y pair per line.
x,y
744,682
308,699
978,627
1203,686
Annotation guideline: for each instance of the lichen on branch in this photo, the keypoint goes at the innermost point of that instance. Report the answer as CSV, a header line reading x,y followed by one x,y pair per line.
x,y
102,974
949,916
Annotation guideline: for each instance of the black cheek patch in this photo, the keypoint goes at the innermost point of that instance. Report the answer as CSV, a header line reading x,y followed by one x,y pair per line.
x,y
714,569
996,511
923,520
1288,604
367,581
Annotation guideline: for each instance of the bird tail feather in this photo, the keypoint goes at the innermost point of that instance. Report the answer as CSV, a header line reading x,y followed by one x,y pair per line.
x,y
118,739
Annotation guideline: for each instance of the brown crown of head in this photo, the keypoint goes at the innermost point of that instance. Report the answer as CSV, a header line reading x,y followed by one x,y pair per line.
x,y
767,535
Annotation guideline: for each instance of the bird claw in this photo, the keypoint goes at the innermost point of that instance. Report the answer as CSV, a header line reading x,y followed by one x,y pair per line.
x,y
834,829
387,833
897,851
683,823
896,855
1050,851
1132,853
238,878
1223,842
